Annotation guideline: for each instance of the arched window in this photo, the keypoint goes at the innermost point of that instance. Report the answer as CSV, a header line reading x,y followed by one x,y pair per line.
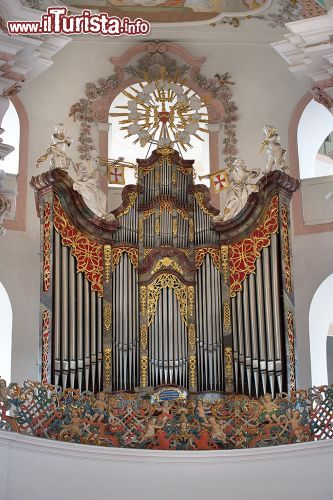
x,y
320,327
315,141
120,146
11,125
311,160
6,318
16,126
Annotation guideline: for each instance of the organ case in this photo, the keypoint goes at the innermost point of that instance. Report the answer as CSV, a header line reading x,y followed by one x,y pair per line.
x,y
165,294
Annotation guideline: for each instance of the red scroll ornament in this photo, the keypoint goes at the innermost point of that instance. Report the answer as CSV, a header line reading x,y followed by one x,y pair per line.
x,y
243,255
88,253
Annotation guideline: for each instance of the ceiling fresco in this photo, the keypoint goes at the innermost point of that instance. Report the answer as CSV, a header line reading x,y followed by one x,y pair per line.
x,y
164,11
214,12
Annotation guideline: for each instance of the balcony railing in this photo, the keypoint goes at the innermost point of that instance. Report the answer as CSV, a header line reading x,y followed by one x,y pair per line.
x,y
168,419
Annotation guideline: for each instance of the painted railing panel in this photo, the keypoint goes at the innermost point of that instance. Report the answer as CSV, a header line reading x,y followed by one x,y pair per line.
x,y
207,421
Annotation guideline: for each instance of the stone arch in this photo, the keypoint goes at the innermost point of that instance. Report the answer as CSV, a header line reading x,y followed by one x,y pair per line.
x,y
299,225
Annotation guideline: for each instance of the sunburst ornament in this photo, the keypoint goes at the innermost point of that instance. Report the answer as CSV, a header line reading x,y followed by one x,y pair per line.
x,y
163,112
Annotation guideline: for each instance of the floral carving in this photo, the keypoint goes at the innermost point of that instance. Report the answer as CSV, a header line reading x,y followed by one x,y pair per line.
x,y
47,247
243,255
286,249
219,88
201,253
118,252
88,253
83,111
45,345
291,349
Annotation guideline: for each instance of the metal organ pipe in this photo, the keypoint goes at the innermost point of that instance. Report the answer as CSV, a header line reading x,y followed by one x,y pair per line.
x,y
261,324
64,315
125,329
79,327
269,317
72,319
254,332
248,353
86,296
57,307
276,308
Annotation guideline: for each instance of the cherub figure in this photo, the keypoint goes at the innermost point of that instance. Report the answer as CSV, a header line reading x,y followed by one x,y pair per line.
x,y
275,153
100,407
151,429
56,152
3,391
72,430
217,430
297,429
241,184
201,410
165,414
270,408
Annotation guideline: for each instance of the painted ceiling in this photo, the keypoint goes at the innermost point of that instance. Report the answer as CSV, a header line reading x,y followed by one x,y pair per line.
x,y
214,12
173,10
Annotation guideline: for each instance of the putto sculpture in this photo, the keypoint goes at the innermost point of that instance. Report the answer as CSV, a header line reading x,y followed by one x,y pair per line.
x,y
56,152
275,152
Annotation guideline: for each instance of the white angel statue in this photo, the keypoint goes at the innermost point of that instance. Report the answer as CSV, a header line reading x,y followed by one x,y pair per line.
x,y
56,152
241,185
275,153
87,184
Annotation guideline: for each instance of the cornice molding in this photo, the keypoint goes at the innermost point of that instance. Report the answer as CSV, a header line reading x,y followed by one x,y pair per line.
x,y
61,184
163,457
308,49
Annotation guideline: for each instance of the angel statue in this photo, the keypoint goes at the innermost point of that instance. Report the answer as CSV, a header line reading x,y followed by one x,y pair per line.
x,y
87,184
56,151
241,185
275,153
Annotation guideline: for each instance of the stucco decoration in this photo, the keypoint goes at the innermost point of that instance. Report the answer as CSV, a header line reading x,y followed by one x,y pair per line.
x,y
148,58
83,111
282,12
220,88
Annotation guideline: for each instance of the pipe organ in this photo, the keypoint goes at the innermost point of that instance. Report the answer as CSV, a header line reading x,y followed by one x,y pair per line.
x,y
165,294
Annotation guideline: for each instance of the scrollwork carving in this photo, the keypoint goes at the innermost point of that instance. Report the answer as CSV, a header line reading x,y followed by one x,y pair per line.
x,y
88,253
243,255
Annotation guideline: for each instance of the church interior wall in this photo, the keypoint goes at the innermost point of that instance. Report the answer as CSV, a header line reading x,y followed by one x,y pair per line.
x,y
265,92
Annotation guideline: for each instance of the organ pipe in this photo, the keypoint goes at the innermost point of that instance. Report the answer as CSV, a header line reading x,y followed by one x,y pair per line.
x,y
228,340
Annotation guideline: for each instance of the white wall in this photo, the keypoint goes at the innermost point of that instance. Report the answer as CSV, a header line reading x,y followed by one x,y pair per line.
x,y
6,318
265,92
34,468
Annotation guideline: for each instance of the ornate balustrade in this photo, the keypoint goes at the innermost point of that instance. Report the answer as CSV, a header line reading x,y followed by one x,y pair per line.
x,y
170,419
